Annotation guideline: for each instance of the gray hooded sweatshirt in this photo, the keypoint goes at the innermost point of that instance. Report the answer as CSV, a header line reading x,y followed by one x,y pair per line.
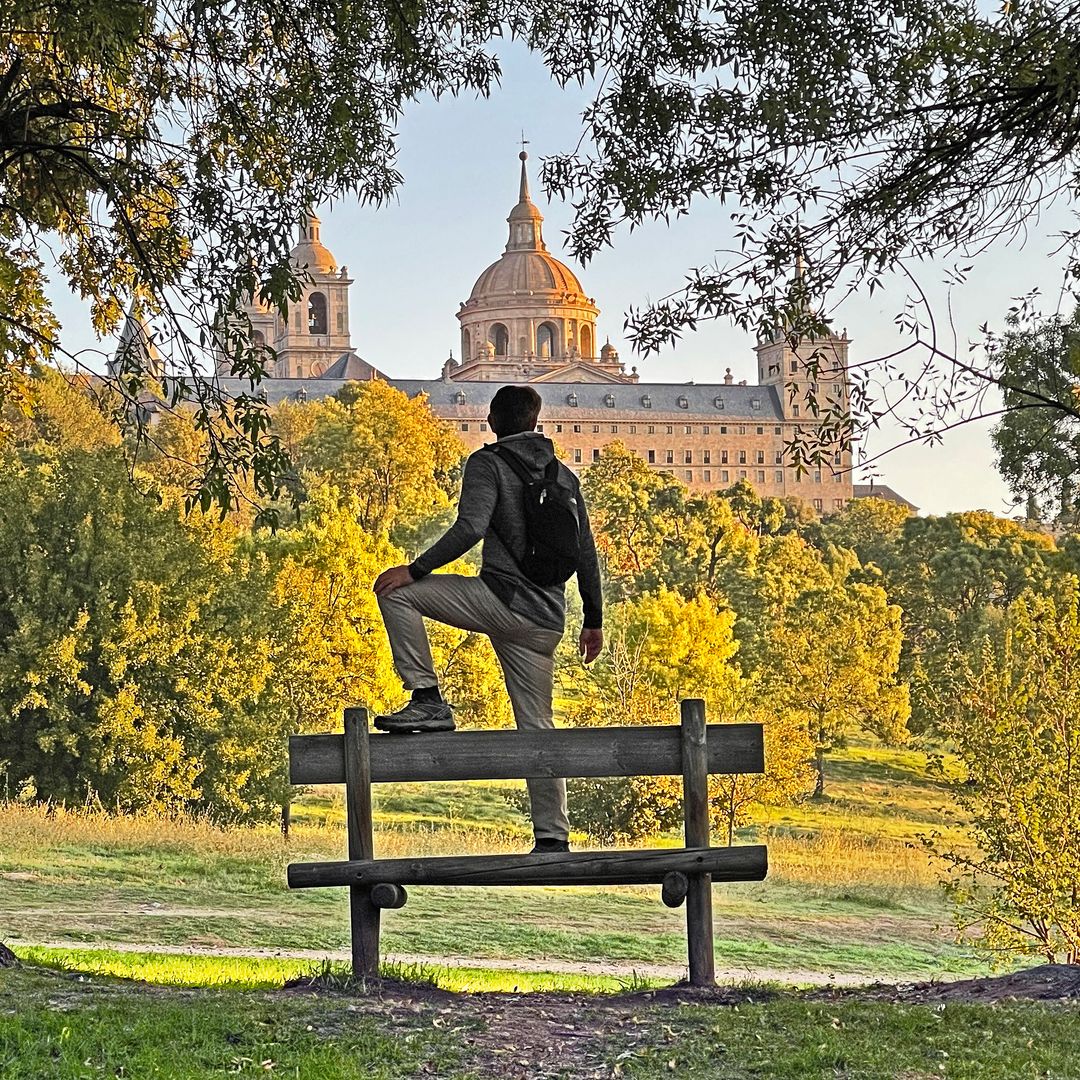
x,y
491,509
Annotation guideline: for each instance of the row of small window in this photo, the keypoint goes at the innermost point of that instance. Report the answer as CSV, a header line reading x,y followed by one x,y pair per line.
x,y
740,457
778,474
648,429
725,457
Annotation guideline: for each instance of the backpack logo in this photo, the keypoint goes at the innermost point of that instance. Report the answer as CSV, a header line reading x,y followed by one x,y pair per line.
x,y
552,530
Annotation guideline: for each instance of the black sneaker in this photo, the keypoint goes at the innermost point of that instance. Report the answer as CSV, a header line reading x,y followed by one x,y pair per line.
x,y
549,846
416,717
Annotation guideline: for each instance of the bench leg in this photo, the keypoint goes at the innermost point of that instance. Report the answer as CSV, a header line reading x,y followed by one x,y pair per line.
x,y
364,915
699,916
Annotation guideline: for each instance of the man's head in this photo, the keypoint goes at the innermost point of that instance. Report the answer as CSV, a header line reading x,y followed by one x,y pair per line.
x,y
514,409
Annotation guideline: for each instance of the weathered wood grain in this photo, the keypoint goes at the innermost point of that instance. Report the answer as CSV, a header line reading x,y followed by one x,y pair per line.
x,y
743,863
699,918
363,912
512,755
385,896
675,887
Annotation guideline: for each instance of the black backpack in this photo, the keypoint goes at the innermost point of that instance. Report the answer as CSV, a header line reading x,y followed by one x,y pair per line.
x,y
552,531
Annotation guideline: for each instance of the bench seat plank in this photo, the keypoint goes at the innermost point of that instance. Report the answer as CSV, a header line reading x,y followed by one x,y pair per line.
x,y
743,863
526,755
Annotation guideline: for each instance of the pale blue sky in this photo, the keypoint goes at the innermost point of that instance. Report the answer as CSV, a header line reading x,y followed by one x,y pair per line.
x,y
414,261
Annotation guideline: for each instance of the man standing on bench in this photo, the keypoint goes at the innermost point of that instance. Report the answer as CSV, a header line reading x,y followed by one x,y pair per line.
x,y
527,508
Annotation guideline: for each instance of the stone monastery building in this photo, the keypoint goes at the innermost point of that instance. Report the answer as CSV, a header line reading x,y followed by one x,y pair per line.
x,y
528,320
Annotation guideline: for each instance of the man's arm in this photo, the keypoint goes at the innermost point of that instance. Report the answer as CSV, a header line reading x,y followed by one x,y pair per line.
x,y
592,597
479,494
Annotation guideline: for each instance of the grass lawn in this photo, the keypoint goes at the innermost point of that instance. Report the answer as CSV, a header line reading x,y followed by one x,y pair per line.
x,y
788,1039
72,1031
848,890
73,1027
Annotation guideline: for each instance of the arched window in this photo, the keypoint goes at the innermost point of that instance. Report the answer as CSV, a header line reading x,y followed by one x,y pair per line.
x,y
258,339
316,314
499,336
545,340
585,338
466,350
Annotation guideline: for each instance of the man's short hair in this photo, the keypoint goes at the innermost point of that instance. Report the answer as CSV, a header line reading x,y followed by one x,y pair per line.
x,y
514,409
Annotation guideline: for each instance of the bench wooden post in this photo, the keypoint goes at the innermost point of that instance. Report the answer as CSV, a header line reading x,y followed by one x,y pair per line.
x,y
364,915
699,923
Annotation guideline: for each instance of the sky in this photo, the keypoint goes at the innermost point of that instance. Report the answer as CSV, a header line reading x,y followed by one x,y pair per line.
x,y
416,259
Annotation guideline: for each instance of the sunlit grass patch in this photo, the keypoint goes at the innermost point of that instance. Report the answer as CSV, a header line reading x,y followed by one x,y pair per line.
x,y
269,973
172,969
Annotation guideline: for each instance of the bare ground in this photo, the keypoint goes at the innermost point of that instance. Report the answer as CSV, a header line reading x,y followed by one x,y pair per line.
x,y
519,1036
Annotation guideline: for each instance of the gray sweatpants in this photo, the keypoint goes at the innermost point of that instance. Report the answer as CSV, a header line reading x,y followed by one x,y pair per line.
x,y
525,651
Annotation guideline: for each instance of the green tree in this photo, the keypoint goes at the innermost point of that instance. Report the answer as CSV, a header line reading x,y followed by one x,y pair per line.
x,y
871,528
953,576
387,452
114,676
633,510
886,135
165,153
1015,725
1038,438
313,610
168,150
784,567
69,413
663,647
833,660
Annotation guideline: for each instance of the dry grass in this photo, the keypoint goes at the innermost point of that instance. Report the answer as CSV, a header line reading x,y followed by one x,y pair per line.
x,y
28,828
841,859
831,857
32,828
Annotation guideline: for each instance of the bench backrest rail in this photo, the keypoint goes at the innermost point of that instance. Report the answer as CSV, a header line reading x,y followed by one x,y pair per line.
x,y
527,755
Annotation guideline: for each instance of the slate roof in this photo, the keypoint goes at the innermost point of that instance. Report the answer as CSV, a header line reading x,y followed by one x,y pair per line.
x,y
698,400
881,491
351,366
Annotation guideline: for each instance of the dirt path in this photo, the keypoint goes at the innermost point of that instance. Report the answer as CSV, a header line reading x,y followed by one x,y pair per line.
x,y
667,972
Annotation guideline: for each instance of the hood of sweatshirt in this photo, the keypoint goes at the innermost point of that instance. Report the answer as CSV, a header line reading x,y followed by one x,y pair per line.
x,y
531,448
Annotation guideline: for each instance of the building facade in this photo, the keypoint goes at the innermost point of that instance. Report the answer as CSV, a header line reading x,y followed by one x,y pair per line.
x,y
527,319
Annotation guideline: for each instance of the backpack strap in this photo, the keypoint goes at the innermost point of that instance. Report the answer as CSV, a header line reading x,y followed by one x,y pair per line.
x,y
513,461
551,470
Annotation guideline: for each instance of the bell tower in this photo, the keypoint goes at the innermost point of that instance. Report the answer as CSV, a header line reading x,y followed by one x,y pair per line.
x,y
316,333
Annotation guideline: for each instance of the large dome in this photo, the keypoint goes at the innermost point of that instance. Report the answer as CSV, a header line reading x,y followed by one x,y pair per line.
x,y
527,309
525,273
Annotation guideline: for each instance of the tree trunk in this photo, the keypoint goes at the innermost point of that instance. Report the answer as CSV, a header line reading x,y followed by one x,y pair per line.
x,y
286,818
7,958
819,764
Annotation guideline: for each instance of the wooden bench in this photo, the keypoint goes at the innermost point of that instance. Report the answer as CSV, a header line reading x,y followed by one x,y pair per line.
x,y
692,750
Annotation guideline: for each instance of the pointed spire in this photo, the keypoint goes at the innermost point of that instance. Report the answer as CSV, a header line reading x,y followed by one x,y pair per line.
x,y
523,190
525,219
136,353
